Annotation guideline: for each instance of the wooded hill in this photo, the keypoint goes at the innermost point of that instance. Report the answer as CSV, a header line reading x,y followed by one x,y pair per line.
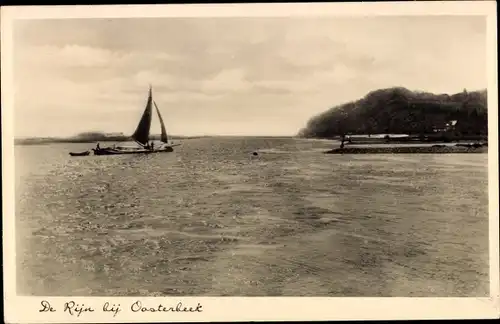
x,y
401,111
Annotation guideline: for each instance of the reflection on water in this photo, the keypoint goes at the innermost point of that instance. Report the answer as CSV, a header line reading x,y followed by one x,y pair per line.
x,y
213,219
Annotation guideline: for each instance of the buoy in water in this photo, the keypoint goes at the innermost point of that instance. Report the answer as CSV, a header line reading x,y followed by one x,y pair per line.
x,y
255,153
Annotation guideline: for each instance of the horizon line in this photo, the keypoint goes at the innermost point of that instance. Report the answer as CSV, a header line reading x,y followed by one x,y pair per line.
x,y
126,136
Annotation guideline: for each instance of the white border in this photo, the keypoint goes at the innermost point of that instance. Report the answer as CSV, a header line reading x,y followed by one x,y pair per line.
x,y
25,309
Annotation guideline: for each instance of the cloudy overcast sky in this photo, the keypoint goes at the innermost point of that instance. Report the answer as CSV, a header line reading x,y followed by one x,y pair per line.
x,y
230,76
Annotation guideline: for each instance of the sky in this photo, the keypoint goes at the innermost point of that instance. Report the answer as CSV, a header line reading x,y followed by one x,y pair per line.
x,y
230,76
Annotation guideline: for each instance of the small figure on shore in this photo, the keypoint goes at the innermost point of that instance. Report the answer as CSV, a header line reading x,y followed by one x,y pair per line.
x,y
152,146
342,143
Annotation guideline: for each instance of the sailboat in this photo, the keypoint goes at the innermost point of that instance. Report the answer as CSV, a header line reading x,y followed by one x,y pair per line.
x,y
141,135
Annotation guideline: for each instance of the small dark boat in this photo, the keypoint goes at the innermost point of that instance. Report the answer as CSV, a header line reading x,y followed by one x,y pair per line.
x,y
79,153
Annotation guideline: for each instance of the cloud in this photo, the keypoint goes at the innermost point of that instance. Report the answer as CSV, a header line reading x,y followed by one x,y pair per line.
x,y
244,71
50,57
227,81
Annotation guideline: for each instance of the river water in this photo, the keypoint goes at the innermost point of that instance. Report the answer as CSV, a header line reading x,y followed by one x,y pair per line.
x,y
212,219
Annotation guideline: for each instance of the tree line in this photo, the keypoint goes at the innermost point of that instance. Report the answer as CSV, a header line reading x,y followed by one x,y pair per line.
x,y
401,111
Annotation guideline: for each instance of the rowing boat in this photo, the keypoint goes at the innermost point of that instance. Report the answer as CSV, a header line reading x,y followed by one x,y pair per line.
x,y
79,153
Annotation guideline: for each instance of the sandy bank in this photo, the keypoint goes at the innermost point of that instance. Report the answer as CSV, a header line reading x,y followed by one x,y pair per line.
x,y
409,150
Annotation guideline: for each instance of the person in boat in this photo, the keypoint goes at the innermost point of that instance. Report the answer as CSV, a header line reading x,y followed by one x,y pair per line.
x,y
98,147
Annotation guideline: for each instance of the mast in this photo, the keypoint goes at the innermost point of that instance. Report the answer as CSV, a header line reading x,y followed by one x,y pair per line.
x,y
141,134
164,137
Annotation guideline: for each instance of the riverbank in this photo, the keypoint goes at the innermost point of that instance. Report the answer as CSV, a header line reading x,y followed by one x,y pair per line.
x,y
435,149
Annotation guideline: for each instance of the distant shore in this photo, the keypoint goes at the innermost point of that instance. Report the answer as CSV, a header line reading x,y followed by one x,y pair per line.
x,y
435,149
104,139
52,140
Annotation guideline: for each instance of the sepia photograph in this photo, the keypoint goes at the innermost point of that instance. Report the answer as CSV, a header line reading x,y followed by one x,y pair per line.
x,y
248,155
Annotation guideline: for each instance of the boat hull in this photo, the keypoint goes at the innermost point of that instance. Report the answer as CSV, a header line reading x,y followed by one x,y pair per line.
x,y
109,151
80,153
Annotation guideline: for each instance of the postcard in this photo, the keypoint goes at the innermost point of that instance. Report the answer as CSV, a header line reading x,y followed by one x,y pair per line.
x,y
250,162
